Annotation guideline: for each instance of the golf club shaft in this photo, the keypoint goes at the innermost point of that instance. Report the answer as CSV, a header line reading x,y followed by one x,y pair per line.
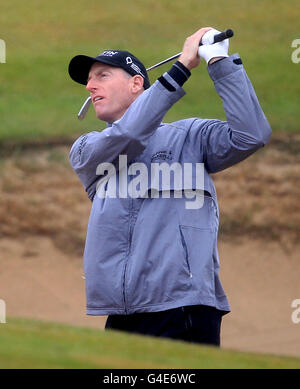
x,y
217,38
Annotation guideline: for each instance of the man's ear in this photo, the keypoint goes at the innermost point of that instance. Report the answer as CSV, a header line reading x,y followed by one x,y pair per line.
x,y
137,83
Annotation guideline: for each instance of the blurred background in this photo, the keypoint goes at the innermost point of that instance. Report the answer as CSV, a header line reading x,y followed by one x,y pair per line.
x,y
44,210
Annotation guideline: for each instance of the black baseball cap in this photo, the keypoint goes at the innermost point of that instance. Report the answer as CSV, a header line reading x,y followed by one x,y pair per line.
x,y
80,65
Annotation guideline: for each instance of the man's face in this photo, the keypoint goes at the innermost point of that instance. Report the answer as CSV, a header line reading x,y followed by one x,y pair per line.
x,y
114,88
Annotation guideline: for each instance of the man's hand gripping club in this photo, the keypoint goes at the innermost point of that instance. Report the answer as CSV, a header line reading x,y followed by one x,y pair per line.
x,y
192,53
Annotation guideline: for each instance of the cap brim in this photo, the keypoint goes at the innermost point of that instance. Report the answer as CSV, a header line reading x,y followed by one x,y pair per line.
x,y
80,66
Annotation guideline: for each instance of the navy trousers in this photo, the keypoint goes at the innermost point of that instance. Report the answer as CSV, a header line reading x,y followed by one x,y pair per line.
x,y
197,324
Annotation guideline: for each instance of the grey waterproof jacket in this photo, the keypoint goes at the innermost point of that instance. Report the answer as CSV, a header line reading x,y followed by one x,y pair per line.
x,y
153,253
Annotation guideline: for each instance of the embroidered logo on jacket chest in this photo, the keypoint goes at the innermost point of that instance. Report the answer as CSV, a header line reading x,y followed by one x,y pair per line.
x,y
162,155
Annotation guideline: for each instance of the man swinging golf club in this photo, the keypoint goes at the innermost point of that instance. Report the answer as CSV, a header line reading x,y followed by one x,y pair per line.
x,y
150,263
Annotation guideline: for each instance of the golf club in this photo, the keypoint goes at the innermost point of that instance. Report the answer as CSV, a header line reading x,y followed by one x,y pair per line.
x,y
217,38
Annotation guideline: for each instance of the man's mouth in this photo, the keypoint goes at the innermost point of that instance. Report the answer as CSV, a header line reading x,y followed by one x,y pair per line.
x,y
98,98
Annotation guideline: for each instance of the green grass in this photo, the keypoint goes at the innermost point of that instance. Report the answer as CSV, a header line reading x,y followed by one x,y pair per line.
x,y
34,344
38,100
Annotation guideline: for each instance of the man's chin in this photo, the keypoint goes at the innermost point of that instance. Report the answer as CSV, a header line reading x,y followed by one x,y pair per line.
x,y
102,116
106,118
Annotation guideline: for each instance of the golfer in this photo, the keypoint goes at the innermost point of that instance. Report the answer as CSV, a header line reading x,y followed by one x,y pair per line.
x,y
151,262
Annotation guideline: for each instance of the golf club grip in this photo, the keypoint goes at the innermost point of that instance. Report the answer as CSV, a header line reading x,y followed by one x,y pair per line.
x,y
222,36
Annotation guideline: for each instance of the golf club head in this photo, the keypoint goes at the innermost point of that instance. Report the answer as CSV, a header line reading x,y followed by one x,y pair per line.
x,y
83,111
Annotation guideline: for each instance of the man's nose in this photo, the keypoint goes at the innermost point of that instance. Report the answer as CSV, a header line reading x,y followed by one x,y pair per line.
x,y
90,86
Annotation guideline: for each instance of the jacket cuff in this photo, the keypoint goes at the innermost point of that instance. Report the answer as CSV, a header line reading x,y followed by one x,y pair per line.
x,y
226,66
179,73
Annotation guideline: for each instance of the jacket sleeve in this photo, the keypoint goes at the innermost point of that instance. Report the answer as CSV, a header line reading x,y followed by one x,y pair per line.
x,y
223,144
128,136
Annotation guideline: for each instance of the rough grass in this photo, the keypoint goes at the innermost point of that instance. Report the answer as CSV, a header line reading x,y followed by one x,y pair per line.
x,y
33,344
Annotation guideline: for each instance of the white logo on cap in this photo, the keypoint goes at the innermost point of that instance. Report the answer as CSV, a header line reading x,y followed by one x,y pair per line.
x,y
133,66
109,53
136,69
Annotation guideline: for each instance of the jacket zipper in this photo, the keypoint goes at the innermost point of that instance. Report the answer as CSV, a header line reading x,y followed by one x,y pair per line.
x,y
185,252
127,254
